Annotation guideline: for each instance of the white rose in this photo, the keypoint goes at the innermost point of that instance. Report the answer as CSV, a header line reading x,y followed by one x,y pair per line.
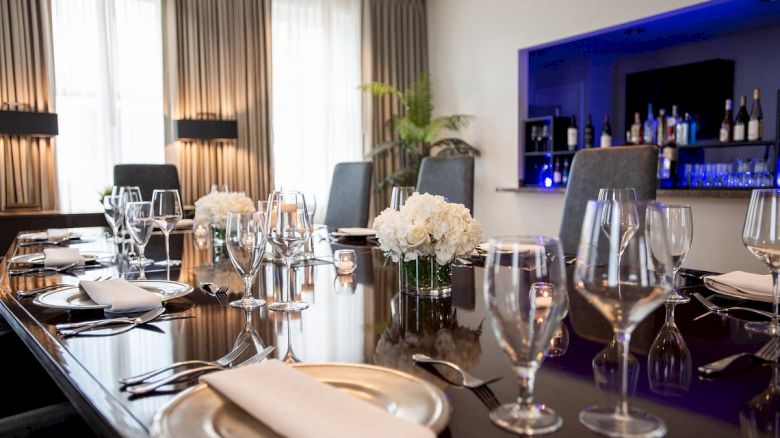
x,y
417,236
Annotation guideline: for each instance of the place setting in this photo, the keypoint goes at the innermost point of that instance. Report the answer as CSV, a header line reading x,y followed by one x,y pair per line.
x,y
58,260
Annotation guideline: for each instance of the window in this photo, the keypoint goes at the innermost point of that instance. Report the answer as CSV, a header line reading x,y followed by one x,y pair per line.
x,y
109,92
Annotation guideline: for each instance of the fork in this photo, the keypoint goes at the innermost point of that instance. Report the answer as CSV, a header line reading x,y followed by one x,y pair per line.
x,y
220,294
221,362
769,352
713,308
478,386
189,374
52,269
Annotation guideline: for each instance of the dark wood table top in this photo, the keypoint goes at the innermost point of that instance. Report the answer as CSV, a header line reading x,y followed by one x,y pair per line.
x,y
370,324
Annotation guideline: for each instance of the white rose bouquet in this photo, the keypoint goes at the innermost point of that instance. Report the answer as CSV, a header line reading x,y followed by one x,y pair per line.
x,y
427,226
214,207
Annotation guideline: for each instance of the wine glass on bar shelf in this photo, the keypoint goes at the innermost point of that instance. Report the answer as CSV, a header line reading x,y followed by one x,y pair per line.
x,y
167,212
246,246
625,281
761,236
140,223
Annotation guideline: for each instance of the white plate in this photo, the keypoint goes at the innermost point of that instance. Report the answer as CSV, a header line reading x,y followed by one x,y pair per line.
x,y
355,232
202,412
37,257
43,236
73,298
740,295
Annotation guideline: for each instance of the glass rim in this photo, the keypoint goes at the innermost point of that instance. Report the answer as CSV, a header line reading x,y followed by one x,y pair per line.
x,y
165,190
676,206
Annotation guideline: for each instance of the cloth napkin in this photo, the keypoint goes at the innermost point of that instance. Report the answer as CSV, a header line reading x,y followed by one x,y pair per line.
x,y
55,234
56,257
268,391
121,295
741,284
357,231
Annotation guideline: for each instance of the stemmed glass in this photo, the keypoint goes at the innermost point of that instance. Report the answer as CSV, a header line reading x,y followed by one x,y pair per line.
x,y
624,282
246,246
761,236
525,290
669,363
679,227
140,223
625,200
114,210
287,229
167,212
399,195
758,417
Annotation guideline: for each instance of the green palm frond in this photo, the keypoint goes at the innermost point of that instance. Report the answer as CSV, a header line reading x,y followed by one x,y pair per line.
x,y
399,177
380,89
419,101
455,122
409,131
455,146
385,147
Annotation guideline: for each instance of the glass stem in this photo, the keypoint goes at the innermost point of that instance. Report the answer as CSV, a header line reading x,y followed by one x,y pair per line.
x,y
142,259
624,337
526,374
167,248
669,314
288,276
247,287
775,299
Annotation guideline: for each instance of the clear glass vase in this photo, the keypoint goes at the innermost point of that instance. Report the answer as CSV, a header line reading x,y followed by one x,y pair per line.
x,y
425,276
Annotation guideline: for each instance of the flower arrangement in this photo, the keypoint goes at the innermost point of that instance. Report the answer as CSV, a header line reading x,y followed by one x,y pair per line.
x,y
214,207
427,226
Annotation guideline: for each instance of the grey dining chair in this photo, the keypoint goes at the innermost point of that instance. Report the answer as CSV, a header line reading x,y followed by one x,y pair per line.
x,y
593,169
350,192
451,177
147,177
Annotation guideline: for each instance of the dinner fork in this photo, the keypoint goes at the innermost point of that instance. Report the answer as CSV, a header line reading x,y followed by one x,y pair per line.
x,y
51,269
769,352
220,294
195,372
478,386
713,308
222,362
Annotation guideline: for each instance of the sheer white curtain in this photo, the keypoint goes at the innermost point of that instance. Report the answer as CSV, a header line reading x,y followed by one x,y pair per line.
x,y
316,102
108,81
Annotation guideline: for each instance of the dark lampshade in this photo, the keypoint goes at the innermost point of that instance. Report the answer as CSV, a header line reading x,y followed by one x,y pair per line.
x,y
28,123
206,130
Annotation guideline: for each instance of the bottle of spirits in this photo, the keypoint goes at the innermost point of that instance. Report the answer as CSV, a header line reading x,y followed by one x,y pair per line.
x,y
756,123
727,125
606,133
671,125
565,176
590,133
557,177
683,135
650,126
741,122
571,134
637,136
668,171
660,136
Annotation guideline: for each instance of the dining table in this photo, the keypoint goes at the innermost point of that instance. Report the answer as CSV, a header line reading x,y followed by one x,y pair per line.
x,y
362,318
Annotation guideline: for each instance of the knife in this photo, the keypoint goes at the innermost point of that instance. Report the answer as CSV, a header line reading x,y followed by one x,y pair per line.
x,y
143,319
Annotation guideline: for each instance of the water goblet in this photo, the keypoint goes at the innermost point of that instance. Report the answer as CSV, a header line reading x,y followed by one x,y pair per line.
x,y
167,212
761,236
140,224
245,245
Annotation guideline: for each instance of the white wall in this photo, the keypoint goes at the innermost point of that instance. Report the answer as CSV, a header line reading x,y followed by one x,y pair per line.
x,y
473,48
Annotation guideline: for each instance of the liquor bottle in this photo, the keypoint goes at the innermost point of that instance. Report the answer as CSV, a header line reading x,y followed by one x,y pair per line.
x,y
650,126
660,136
671,125
756,123
693,129
637,136
668,172
590,133
606,133
683,133
571,134
565,176
727,125
741,122
557,173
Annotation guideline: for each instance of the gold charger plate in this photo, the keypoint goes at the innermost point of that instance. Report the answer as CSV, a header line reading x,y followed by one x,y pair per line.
x,y
202,412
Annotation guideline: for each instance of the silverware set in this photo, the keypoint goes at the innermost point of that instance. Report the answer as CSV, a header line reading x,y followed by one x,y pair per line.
x,y
45,242
713,308
52,269
220,293
768,353
478,386
131,323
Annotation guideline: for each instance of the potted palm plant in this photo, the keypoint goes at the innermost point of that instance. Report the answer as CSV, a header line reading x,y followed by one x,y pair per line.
x,y
417,133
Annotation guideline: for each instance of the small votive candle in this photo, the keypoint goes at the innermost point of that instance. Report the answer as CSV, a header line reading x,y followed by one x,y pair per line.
x,y
345,261
201,234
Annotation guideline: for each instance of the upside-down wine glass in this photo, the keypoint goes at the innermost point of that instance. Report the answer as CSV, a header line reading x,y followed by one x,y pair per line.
x,y
287,229
761,236
246,246
669,363
679,227
166,207
624,281
525,291
140,223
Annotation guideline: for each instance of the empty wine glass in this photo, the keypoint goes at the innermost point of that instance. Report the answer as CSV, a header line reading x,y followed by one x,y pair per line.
x,y
219,188
399,195
246,246
625,284
669,363
114,210
625,200
140,223
166,208
761,236
287,229
679,228
758,417
525,291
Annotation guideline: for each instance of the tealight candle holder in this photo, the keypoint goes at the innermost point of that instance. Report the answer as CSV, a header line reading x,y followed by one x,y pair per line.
x,y
345,261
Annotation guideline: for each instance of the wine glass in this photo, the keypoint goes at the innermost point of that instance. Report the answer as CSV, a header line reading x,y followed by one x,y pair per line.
x,y
669,363
287,229
219,188
140,223
114,210
608,372
761,236
246,246
311,208
167,213
625,199
525,291
399,196
758,417
624,282
679,227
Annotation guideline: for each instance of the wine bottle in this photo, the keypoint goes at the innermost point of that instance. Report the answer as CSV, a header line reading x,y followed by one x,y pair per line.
x,y
669,170
660,136
756,123
650,126
636,130
741,122
606,133
727,125
590,133
557,173
571,134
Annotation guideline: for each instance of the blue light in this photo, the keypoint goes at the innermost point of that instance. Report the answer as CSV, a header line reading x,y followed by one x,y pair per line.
x,y
548,182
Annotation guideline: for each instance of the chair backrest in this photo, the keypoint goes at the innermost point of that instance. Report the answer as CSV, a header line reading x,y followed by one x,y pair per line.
x,y
350,192
593,169
148,177
451,177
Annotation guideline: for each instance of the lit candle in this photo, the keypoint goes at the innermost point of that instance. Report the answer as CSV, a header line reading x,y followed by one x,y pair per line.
x,y
344,266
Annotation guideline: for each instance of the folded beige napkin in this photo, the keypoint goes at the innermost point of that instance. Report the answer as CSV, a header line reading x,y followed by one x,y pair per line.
x,y
268,391
121,295
56,234
357,231
55,257
741,284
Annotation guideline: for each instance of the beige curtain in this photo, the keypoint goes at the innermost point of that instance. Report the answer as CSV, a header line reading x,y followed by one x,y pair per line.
x,y
28,168
395,51
223,62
